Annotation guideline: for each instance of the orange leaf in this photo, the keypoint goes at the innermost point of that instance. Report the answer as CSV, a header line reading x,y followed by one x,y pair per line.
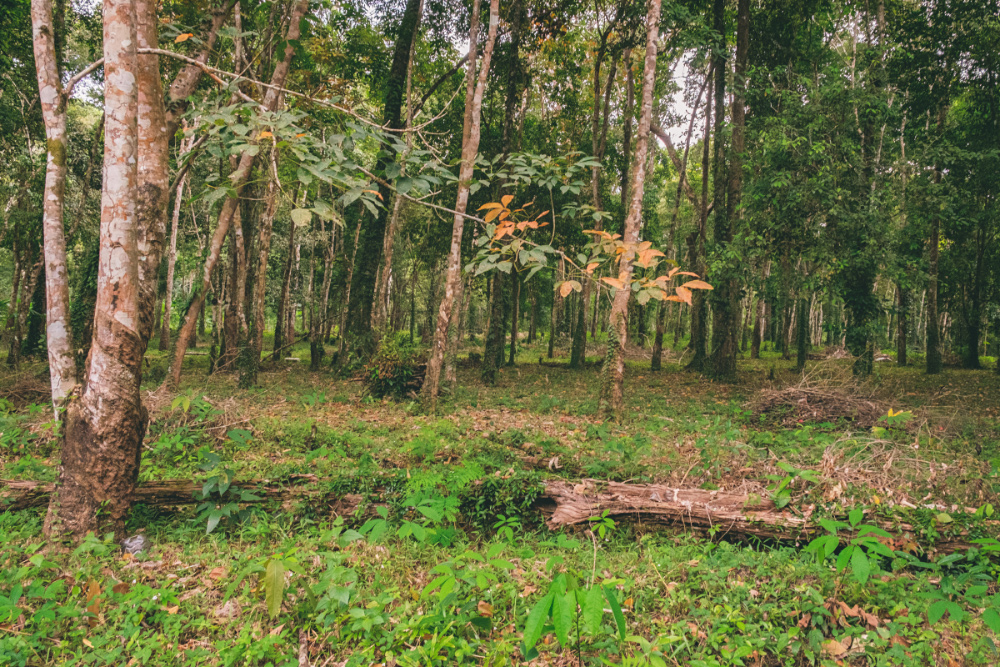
x,y
684,273
614,282
265,135
300,135
590,267
697,284
490,205
183,37
685,294
485,609
493,214
374,192
674,297
506,199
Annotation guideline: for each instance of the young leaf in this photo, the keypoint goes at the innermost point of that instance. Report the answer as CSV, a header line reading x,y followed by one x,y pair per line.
x,y
616,610
562,616
860,565
274,586
593,609
536,621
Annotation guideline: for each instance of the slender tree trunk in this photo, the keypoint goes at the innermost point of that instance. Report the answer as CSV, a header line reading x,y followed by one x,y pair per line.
x,y
802,338
661,316
902,323
696,251
599,136
612,389
758,327
250,366
171,267
347,296
515,311
475,86
238,181
284,301
62,362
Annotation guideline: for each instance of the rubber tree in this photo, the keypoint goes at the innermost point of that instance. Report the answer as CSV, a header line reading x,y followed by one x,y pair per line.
x,y
475,86
613,380
104,425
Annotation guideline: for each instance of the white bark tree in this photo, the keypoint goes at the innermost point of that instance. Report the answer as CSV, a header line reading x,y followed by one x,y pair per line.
x,y
474,88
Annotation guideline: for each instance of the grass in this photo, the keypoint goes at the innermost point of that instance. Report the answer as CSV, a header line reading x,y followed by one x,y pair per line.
x,y
450,563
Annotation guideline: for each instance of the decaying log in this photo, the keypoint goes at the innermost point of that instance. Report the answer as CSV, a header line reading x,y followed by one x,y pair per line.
x,y
568,504
563,503
22,494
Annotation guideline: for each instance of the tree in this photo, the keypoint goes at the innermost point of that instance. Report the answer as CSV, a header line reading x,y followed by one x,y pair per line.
x,y
475,86
612,387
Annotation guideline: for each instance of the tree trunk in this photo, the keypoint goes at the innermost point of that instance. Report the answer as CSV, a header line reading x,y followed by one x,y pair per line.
x,y
373,233
475,86
62,362
696,250
171,266
599,136
347,296
284,301
103,429
238,180
726,297
515,311
802,337
902,323
493,352
612,389
251,364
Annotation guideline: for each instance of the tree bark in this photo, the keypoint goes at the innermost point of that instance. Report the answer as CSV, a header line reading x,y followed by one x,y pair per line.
x,y
238,181
599,137
614,364
726,297
171,265
373,233
696,251
475,86
255,347
62,362
103,429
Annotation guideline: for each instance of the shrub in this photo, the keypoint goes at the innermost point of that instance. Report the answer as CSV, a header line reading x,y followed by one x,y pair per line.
x,y
395,369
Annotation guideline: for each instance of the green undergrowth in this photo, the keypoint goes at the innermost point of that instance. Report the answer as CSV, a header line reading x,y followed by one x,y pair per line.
x,y
442,557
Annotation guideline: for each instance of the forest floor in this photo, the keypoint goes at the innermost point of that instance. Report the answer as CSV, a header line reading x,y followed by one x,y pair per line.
x,y
450,562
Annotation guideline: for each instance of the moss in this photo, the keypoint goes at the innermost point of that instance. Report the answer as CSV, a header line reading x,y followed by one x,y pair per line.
x,y
57,149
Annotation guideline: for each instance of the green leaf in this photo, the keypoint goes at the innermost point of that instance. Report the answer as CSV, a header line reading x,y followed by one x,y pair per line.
x,y
855,516
937,611
593,609
213,520
860,565
991,617
845,557
562,616
536,621
301,216
616,610
274,586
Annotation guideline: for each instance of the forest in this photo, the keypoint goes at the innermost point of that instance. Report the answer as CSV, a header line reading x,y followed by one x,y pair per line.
x,y
637,333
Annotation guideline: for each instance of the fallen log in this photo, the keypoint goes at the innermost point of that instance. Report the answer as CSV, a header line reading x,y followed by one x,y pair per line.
x,y
562,503
568,504
24,494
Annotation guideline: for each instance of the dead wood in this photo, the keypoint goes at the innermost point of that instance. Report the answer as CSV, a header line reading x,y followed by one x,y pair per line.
x,y
563,503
